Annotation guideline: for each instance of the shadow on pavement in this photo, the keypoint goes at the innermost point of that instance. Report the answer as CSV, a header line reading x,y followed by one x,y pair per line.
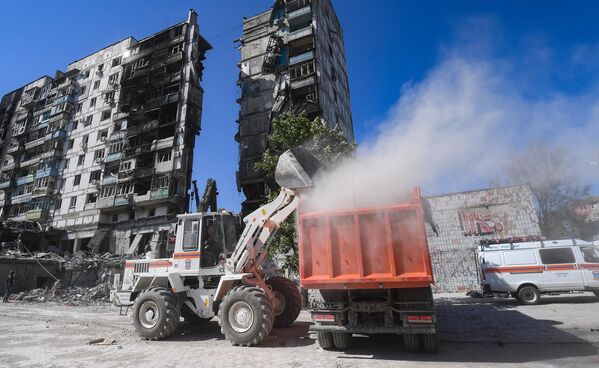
x,y
479,330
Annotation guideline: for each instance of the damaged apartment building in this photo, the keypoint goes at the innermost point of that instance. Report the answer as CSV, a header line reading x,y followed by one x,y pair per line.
x,y
104,150
292,61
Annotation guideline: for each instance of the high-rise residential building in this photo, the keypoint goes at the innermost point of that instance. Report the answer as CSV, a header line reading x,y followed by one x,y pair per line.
x,y
104,150
292,61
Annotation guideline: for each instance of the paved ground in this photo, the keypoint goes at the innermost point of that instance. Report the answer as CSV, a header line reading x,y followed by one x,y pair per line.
x,y
562,332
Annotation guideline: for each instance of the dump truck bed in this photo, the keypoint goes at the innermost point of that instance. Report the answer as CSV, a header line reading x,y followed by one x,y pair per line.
x,y
366,248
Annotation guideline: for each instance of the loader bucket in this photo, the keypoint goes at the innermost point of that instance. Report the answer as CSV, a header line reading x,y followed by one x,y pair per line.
x,y
296,168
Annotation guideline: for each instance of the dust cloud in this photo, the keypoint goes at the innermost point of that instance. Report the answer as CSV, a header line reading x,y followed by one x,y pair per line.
x,y
454,131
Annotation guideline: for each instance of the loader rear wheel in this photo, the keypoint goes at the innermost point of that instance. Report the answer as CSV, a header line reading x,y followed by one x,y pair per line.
x,y
342,340
325,340
288,301
411,342
245,316
155,313
430,343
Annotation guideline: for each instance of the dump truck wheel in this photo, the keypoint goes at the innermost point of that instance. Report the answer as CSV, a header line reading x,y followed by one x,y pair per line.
x,y
288,301
529,295
155,313
325,340
596,293
430,343
342,340
245,316
193,319
411,342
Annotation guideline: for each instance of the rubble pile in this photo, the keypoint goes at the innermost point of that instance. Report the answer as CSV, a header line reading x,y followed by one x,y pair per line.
x,y
69,296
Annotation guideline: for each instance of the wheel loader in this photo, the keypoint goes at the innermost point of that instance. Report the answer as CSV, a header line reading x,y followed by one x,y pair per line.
x,y
213,271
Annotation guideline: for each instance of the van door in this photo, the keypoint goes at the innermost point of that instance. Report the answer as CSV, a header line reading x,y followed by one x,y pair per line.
x,y
560,272
590,265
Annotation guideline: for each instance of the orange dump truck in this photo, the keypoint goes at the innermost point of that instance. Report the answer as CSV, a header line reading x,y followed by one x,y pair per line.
x,y
368,271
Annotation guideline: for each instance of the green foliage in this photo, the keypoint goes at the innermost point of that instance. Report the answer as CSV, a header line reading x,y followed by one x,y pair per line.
x,y
327,144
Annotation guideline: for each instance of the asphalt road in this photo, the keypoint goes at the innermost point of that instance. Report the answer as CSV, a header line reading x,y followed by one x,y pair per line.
x,y
561,332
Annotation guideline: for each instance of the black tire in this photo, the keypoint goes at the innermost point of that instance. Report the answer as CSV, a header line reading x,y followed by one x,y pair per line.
x,y
245,316
155,313
342,340
325,340
411,342
596,293
529,295
430,343
193,319
288,301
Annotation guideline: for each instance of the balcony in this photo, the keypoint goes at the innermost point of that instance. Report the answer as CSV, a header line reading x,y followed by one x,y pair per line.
x,y
303,82
120,116
162,144
113,157
142,128
143,172
12,148
37,215
27,100
154,196
162,100
300,14
164,167
106,202
54,152
42,192
23,198
25,179
301,57
35,143
31,161
299,34
109,179
123,200
65,98
6,183
50,171
63,115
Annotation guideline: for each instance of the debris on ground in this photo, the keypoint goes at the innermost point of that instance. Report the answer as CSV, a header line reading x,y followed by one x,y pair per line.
x,y
474,294
70,295
101,341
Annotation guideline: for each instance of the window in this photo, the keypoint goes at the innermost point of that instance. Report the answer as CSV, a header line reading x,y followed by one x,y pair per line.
x,y
79,107
177,48
590,254
81,160
160,182
557,255
116,61
85,74
77,180
92,102
102,134
96,85
152,212
88,120
58,204
124,189
74,125
95,175
73,203
85,139
66,164
124,166
105,115
91,198
140,63
190,235
116,127
70,143
107,191
113,79
115,218
82,90
164,156
99,154
100,68
109,97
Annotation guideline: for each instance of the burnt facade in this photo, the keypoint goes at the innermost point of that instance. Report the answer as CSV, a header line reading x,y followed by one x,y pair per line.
x,y
104,150
292,61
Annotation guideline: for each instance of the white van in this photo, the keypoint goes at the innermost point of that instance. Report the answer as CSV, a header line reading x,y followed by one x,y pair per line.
x,y
528,269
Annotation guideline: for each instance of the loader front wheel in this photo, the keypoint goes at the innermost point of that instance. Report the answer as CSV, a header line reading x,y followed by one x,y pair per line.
x,y
245,316
288,301
155,313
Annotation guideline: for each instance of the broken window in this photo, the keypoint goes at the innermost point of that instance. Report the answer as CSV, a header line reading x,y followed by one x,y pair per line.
x,y
88,120
124,166
92,102
95,175
159,182
142,62
164,156
91,198
77,180
109,97
70,143
115,147
96,85
108,191
102,134
85,139
105,114
79,107
82,90
81,160
124,189
73,202
301,70
116,61
99,154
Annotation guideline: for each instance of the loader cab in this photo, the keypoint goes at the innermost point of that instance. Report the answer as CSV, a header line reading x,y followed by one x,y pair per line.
x,y
207,240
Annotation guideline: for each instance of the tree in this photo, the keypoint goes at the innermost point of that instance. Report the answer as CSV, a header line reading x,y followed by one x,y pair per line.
x,y
329,145
554,184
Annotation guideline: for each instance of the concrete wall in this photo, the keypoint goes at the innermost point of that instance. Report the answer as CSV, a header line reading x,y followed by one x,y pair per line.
x,y
28,273
466,218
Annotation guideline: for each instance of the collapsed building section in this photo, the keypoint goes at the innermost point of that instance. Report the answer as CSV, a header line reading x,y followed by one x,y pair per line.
x,y
292,61
104,150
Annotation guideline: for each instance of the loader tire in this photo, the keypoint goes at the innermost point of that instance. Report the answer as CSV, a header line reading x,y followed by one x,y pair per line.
x,y
245,316
430,343
325,340
596,293
411,342
155,313
288,301
342,340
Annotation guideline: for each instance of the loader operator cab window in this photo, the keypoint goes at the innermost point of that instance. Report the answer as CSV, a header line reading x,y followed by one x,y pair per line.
x,y
212,241
190,235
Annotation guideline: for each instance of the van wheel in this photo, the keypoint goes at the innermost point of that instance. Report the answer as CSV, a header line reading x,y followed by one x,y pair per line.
x,y
529,295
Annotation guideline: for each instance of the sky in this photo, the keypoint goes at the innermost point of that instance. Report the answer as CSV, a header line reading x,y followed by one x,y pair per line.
x,y
543,52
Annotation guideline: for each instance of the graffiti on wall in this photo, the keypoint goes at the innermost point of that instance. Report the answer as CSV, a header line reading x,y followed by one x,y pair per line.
x,y
479,222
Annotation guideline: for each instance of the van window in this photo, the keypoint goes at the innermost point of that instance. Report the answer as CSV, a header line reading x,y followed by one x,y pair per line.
x,y
557,255
492,259
520,257
590,254
190,235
